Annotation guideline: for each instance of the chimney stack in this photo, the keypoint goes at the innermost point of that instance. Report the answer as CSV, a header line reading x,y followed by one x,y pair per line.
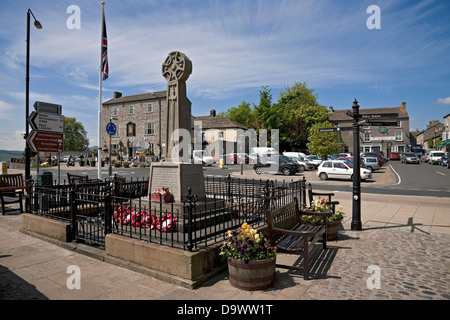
x,y
404,105
117,94
212,113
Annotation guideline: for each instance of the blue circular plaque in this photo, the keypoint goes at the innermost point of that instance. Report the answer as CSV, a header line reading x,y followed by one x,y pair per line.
x,y
111,128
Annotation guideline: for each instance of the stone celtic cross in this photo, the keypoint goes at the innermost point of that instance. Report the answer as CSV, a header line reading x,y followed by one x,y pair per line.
x,y
176,69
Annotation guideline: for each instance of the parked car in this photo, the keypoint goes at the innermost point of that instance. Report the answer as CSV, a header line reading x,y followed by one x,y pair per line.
x,y
426,156
435,156
202,156
285,166
243,158
444,161
338,155
394,156
373,154
303,164
409,157
315,160
340,170
371,163
350,160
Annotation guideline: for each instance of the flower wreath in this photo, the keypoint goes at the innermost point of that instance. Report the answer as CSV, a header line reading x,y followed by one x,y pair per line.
x,y
143,219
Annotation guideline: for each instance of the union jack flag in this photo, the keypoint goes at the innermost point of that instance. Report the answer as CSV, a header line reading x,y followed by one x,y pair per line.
x,y
105,67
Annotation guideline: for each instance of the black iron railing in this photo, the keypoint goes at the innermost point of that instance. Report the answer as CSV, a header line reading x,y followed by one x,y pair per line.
x,y
95,209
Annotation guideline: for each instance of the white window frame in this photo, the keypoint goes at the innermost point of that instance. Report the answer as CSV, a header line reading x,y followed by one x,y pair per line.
x,y
366,134
149,107
401,136
149,128
398,124
115,111
131,109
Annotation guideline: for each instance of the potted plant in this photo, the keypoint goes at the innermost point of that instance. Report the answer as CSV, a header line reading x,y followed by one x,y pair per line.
x,y
126,164
251,258
161,195
333,222
117,164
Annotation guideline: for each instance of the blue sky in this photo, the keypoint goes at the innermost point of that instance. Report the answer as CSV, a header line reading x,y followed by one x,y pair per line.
x,y
236,47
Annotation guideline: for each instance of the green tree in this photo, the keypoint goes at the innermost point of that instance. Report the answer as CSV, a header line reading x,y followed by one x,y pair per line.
x,y
75,136
243,113
323,143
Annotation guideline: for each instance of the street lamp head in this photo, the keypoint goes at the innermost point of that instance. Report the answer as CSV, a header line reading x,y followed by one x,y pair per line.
x,y
37,24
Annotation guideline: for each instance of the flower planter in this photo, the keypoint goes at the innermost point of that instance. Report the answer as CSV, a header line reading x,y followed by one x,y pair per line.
x,y
157,197
254,275
332,230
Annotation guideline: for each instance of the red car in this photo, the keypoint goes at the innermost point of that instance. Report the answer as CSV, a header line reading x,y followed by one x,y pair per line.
x,y
394,156
350,160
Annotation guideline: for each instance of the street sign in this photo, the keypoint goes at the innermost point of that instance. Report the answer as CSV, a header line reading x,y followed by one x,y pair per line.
x,y
381,124
46,122
378,116
47,107
41,141
111,128
362,121
336,129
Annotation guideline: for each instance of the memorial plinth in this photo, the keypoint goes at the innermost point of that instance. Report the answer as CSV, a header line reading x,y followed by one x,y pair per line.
x,y
178,177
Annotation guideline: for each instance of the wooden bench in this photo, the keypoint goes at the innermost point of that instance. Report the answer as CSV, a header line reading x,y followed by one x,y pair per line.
x,y
312,193
76,178
288,233
12,190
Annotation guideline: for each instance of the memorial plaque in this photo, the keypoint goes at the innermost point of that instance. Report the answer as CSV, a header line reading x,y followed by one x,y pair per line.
x,y
165,177
178,177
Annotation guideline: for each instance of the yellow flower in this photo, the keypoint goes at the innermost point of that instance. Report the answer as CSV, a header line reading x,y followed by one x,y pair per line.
x,y
244,225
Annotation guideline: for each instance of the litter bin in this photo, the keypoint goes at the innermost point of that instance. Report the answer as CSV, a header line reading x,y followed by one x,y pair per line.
x,y
45,178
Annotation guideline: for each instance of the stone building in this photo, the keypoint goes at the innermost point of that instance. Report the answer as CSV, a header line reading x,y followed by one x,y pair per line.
x,y
434,131
376,138
141,122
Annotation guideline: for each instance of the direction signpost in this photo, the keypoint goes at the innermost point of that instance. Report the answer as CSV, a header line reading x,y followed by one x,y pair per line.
x,y
41,141
359,120
46,122
47,126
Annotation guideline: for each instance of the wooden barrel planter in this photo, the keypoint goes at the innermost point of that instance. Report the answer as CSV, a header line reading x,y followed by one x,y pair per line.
x,y
254,275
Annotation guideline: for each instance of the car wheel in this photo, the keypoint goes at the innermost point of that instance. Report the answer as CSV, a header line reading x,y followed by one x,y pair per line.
x,y
286,171
370,169
323,176
301,168
258,170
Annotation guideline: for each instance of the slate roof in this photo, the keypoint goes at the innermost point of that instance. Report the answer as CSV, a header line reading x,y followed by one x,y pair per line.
x,y
209,122
138,97
341,115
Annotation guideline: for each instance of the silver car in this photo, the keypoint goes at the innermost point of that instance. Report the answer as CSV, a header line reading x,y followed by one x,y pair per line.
x,y
304,164
409,157
371,163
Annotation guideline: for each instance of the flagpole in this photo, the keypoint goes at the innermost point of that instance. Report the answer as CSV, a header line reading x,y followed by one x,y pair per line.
x,y
99,157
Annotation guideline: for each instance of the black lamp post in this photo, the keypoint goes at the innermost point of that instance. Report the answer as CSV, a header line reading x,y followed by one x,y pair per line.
x,y
356,214
38,25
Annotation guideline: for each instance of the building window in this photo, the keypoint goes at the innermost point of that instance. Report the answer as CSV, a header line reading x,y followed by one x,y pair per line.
x,y
399,136
131,109
399,124
367,137
131,129
115,111
150,128
220,134
149,107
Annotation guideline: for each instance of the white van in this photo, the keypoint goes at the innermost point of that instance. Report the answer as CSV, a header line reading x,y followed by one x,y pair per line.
x,y
298,155
435,156
257,153
202,156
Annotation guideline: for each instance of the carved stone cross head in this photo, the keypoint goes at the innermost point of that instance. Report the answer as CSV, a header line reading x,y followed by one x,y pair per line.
x,y
176,67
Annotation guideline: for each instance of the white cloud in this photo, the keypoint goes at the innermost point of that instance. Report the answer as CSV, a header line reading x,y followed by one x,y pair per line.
x,y
444,100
